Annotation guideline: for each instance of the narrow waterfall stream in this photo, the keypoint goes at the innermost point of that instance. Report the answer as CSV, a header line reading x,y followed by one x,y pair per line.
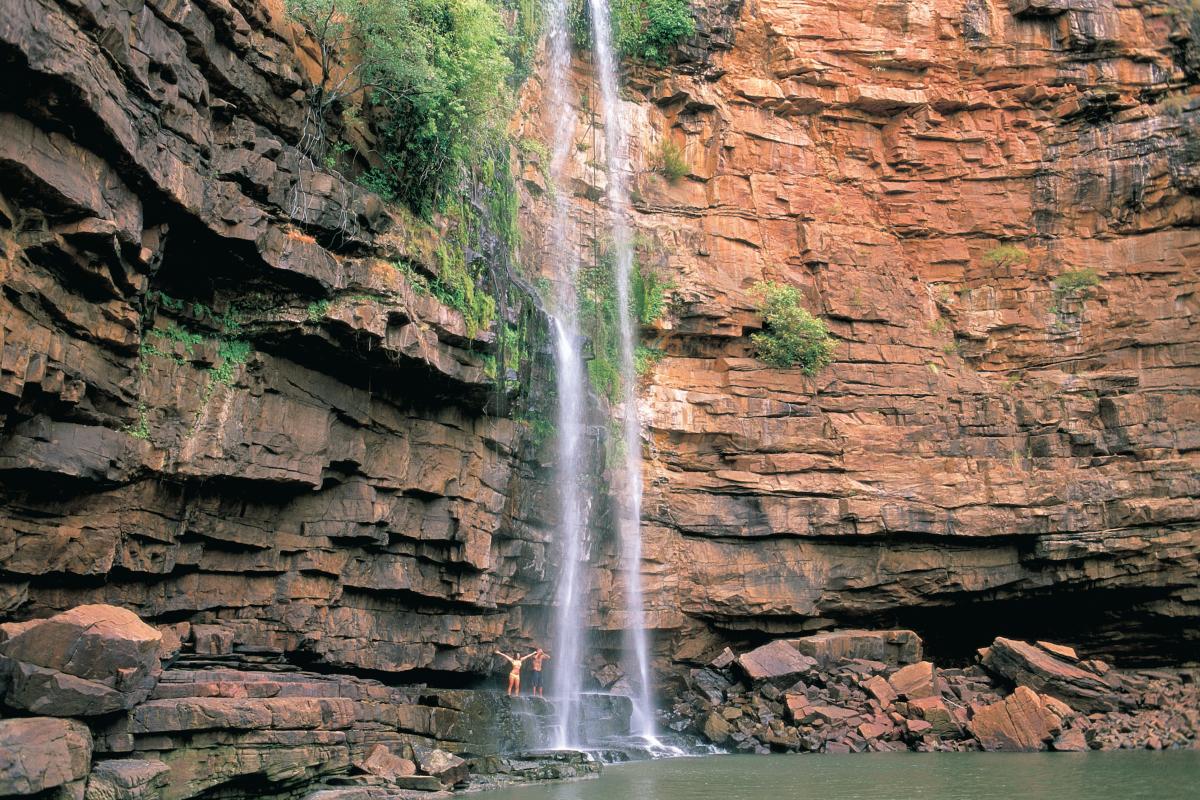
x,y
631,490
571,617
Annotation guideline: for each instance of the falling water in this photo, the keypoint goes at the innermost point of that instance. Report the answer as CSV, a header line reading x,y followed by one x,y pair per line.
x,y
631,511
571,414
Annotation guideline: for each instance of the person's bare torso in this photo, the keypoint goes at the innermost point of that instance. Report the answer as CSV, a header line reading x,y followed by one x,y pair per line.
x,y
538,658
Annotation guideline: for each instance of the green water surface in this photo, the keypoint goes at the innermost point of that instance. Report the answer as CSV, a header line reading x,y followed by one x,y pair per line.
x,y
888,776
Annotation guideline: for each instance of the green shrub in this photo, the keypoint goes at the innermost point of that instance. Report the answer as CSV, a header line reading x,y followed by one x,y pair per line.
x,y
1006,255
793,337
671,163
1079,280
437,72
317,310
648,29
644,30
598,319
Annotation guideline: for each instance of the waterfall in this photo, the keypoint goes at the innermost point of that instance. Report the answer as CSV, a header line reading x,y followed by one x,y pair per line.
x,y
631,491
571,615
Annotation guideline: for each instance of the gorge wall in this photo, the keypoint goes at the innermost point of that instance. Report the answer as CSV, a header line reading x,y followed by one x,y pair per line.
x,y
991,450
222,399
223,403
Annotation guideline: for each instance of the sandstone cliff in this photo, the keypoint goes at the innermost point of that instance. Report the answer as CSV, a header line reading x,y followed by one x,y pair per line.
x,y
221,398
224,404
994,449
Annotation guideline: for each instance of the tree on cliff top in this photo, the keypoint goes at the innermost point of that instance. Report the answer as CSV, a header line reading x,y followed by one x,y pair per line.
x,y
793,337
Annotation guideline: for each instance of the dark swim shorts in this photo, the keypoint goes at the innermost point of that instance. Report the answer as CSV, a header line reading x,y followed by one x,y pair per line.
x,y
536,679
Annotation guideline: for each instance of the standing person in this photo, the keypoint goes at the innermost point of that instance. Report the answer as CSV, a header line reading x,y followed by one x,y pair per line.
x,y
538,656
514,677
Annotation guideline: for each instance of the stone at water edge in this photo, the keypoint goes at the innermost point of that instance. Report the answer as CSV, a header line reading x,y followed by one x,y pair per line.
x,y
446,767
383,762
1021,722
93,659
775,661
39,753
716,729
935,711
915,681
1070,741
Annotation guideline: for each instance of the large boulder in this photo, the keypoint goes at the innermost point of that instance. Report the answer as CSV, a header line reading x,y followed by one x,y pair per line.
x,y
915,680
894,648
778,662
1023,721
41,753
1024,664
383,762
93,659
446,767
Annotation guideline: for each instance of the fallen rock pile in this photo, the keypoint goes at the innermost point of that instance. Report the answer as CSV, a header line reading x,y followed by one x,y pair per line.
x,y
860,691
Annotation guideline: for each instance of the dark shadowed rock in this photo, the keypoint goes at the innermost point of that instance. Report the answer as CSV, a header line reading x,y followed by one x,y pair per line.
x,y
40,753
709,683
1024,664
93,659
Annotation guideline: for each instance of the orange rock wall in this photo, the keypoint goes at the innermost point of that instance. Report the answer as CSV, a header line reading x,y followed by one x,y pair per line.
x,y
985,450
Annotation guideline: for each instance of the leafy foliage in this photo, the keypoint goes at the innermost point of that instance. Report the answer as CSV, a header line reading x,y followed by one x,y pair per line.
x,y
793,337
1076,280
599,320
644,30
1006,255
671,162
437,73
648,29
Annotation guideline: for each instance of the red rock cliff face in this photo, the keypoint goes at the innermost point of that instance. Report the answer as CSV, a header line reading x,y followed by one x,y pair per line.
x,y
988,452
220,400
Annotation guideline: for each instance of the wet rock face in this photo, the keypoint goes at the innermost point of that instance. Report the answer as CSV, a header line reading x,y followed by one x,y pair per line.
x,y
937,179
221,399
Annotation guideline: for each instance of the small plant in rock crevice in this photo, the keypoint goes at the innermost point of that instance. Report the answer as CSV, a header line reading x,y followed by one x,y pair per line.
x,y
792,337
1004,256
671,163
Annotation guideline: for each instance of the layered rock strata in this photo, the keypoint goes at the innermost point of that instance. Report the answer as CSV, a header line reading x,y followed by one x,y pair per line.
x,y
200,730
224,398
994,206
